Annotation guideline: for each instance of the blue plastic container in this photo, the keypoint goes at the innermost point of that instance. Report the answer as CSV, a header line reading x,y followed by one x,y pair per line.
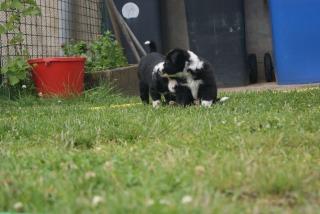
x,y
296,40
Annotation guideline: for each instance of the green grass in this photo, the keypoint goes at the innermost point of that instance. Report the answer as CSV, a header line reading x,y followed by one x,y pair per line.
x,y
257,153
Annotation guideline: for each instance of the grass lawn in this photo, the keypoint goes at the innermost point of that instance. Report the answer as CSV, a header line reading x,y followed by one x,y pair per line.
x,y
257,153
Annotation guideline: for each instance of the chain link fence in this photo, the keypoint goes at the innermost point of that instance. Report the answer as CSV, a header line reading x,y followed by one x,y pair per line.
x,y
61,21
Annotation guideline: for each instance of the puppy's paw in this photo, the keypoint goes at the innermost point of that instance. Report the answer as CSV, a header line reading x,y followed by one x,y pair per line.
x,y
206,103
197,102
172,103
156,104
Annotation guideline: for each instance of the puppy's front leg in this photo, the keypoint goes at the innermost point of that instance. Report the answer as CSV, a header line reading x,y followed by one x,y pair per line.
x,y
170,99
184,96
156,98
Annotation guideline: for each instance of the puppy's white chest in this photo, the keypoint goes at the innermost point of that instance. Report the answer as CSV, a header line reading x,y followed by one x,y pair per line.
x,y
172,85
194,86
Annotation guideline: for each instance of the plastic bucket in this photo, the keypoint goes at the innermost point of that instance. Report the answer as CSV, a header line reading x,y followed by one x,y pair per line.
x,y
62,76
296,40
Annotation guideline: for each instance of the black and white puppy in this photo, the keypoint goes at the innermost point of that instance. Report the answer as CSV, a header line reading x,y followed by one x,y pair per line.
x,y
192,77
151,82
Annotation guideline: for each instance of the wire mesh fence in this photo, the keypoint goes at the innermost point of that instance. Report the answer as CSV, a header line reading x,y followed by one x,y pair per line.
x,y
61,21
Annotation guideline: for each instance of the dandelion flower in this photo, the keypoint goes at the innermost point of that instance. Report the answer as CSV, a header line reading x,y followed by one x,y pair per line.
x,y
18,207
164,202
90,175
199,170
96,200
149,202
186,199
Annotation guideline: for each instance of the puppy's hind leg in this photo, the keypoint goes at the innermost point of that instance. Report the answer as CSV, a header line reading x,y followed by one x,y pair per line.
x,y
144,92
207,95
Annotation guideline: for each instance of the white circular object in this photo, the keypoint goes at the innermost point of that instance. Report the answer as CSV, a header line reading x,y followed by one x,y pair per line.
x,y
130,10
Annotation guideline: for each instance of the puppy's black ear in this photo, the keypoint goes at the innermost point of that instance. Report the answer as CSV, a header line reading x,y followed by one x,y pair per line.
x,y
178,57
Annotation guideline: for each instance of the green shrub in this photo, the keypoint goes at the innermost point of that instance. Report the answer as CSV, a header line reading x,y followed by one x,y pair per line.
x,y
103,53
75,48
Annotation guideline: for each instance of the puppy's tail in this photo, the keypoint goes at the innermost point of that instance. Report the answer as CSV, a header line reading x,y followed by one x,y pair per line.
x,y
151,45
222,99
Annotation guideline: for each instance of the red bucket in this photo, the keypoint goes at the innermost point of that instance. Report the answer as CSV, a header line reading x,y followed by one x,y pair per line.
x,y
62,76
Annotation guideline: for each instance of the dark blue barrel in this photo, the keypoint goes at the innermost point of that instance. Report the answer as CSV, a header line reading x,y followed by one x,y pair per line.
x,y
296,40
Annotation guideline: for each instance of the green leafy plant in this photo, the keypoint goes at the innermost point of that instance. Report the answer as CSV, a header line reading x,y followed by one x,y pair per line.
x,y
103,53
15,72
16,81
